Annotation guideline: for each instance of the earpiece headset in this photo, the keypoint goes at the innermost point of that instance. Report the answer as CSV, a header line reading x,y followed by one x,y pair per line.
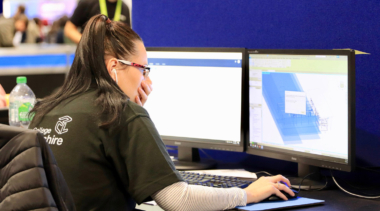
x,y
114,71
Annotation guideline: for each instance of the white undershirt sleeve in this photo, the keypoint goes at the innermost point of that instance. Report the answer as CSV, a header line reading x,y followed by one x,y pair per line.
x,y
182,196
17,38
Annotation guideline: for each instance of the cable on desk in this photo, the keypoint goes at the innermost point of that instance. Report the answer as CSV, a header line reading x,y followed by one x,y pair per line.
x,y
263,172
353,194
299,187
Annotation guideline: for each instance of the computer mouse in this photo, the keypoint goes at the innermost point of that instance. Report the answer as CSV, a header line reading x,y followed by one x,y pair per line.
x,y
274,197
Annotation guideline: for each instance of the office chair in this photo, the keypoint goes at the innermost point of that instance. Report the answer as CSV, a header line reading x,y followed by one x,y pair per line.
x,y
29,176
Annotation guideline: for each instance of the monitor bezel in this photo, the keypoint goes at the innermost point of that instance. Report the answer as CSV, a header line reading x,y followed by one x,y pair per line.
x,y
310,159
196,143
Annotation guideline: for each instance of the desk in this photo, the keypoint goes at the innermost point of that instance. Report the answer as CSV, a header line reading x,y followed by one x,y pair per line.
x,y
44,65
335,200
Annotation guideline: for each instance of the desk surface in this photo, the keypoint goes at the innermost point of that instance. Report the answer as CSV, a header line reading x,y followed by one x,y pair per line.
x,y
334,200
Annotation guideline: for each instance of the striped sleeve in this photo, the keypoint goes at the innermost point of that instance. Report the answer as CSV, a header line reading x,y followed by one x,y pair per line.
x,y
182,196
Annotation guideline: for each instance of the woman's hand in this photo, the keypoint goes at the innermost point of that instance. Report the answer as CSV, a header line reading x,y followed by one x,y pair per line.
x,y
144,91
3,102
266,186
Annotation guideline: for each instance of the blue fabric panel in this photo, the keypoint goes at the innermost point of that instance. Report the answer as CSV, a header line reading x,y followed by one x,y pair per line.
x,y
279,24
49,60
293,127
71,58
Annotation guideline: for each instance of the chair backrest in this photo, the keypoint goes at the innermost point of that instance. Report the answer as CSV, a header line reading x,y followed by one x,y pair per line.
x,y
29,176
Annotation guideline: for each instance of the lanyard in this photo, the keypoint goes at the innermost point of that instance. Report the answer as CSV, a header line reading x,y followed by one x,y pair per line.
x,y
103,9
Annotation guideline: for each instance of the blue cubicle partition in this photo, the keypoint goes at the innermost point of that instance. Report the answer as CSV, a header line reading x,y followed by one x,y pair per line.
x,y
32,57
276,24
30,61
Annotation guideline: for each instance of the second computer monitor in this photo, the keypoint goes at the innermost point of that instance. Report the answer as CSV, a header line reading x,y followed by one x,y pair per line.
x,y
197,96
302,107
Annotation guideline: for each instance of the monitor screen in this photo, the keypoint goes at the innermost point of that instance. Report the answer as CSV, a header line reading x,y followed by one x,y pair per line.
x,y
299,105
197,96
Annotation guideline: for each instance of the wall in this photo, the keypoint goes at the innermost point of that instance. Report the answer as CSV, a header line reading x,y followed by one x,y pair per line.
x,y
279,24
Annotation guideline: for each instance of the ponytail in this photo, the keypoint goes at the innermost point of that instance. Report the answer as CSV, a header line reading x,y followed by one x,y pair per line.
x,y
88,69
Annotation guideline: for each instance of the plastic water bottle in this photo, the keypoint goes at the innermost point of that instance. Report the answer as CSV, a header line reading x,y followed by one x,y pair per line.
x,y
21,101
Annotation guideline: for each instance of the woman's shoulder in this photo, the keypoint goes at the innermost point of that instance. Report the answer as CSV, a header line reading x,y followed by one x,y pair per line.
x,y
130,114
83,102
133,109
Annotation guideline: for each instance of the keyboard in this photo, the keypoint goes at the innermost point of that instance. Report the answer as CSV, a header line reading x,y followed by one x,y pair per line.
x,y
214,180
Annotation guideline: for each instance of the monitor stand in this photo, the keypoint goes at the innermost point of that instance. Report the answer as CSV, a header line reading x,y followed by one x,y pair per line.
x,y
314,181
189,159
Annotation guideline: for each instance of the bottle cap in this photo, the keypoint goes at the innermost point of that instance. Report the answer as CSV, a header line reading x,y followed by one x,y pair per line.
x,y
21,80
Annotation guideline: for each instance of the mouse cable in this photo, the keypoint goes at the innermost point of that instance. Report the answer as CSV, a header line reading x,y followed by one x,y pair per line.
x,y
263,172
353,194
299,187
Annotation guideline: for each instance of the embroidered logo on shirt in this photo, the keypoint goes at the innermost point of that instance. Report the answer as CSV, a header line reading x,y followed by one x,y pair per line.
x,y
60,127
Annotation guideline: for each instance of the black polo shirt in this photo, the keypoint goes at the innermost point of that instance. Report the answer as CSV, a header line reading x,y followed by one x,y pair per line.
x,y
107,170
88,8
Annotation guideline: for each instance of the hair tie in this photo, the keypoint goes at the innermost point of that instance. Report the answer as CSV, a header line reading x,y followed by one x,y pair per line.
x,y
106,19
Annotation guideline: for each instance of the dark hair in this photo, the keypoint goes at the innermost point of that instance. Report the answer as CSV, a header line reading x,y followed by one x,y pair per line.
x,y
88,69
21,9
21,17
37,21
62,21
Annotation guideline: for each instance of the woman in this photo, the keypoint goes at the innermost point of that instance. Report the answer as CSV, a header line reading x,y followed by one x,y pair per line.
x,y
3,102
107,147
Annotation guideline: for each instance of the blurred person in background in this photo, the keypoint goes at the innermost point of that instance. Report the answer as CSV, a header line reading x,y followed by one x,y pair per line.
x,y
20,10
56,34
32,34
60,35
3,102
39,25
51,36
12,29
116,10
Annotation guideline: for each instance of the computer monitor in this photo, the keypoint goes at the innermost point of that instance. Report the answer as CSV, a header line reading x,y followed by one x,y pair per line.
x,y
197,100
302,107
